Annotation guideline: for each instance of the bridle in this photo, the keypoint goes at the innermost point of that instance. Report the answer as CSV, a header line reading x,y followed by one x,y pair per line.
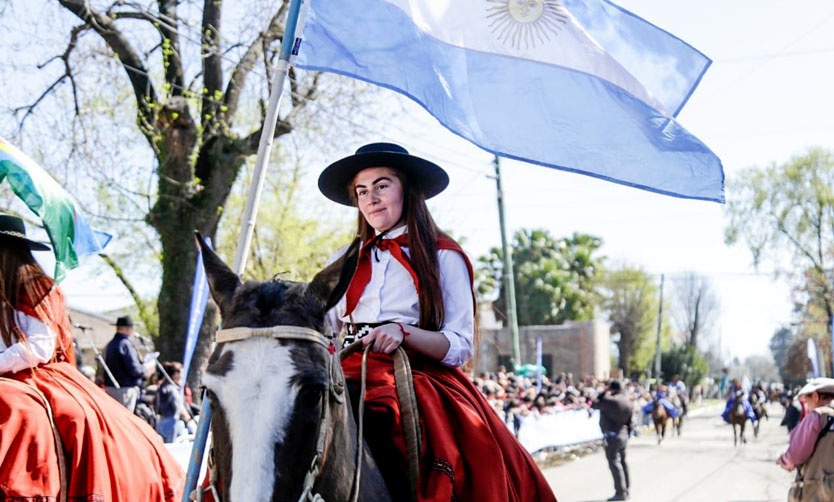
x,y
334,389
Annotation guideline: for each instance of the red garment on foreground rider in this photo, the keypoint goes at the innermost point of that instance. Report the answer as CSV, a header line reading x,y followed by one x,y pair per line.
x,y
466,448
110,454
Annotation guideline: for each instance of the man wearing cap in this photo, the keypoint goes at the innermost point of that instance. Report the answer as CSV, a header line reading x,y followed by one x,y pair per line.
x,y
123,360
811,445
615,413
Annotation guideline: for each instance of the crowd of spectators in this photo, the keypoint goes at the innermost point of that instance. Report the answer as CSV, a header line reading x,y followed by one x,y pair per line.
x,y
517,398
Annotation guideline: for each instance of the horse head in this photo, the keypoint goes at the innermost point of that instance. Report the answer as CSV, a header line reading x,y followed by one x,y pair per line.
x,y
279,413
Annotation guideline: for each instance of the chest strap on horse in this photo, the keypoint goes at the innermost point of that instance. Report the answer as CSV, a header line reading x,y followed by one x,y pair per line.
x,y
410,416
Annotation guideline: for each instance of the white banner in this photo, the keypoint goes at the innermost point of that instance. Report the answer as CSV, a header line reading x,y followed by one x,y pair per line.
x,y
562,428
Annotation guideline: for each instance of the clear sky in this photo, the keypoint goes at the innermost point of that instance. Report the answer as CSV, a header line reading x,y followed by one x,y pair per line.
x,y
766,98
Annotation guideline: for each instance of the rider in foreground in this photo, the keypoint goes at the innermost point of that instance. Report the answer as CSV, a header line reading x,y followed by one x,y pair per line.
x,y
413,288
62,437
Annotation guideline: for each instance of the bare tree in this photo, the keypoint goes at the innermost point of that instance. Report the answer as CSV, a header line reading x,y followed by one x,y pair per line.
x,y
696,307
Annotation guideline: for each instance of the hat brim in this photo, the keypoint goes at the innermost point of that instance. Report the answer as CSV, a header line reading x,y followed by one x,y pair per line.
x,y
826,387
33,245
334,181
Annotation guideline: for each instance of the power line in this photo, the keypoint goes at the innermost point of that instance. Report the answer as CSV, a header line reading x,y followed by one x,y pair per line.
x,y
775,55
784,49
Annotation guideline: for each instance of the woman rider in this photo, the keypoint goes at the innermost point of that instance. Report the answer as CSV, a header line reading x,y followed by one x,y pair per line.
x,y
413,288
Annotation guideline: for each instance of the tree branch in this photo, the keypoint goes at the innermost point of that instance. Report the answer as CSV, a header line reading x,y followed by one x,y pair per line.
x,y
144,310
171,47
76,31
136,71
212,67
247,62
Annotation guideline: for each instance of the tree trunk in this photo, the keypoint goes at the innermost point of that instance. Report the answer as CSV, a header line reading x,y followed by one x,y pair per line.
x,y
192,189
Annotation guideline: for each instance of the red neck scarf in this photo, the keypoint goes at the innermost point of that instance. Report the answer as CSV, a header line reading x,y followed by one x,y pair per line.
x,y
363,268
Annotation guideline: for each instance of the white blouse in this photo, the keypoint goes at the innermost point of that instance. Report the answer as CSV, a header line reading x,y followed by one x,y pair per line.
x,y
38,350
391,296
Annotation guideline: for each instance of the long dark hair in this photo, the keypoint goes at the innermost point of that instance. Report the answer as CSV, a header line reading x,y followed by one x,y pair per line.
x,y
25,286
422,246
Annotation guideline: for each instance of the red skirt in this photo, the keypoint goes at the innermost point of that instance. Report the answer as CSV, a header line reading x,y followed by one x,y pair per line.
x,y
110,454
467,452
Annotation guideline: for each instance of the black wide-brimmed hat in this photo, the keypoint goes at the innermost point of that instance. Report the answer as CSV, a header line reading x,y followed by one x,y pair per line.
x,y
429,178
13,229
124,321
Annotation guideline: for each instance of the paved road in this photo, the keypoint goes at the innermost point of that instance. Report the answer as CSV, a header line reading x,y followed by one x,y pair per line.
x,y
701,465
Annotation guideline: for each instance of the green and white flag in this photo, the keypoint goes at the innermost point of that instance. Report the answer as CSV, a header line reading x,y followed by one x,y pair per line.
x,y
69,232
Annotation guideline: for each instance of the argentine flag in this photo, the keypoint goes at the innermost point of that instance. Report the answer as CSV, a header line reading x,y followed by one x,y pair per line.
x,y
577,85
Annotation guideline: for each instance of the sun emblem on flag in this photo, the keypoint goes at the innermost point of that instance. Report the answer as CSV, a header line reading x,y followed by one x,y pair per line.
x,y
525,24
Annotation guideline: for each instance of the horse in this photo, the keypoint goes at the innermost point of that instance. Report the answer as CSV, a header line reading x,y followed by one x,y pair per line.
x,y
282,424
661,417
677,422
738,418
760,410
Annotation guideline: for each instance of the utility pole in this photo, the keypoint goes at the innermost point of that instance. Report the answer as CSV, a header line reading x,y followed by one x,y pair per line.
x,y
509,276
831,329
659,329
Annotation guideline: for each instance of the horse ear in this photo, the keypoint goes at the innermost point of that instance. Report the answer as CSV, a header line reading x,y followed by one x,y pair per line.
x,y
332,282
222,281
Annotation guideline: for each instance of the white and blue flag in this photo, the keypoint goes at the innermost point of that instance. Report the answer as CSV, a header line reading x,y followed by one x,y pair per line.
x,y
577,85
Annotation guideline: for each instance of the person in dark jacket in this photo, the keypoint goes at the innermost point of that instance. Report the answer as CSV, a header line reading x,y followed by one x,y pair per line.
x,y
615,412
793,412
123,361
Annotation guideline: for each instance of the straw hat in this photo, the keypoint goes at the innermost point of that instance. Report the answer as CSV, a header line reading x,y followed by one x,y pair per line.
x,y
820,384
427,177
12,229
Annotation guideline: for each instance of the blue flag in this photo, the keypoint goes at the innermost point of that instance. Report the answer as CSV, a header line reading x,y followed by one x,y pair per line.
x,y
199,297
812,355
577,85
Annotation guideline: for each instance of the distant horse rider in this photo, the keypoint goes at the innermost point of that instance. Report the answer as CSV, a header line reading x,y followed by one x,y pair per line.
x,y
737,392
680,391
661,396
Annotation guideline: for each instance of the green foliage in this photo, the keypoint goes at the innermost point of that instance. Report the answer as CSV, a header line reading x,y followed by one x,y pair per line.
x,y
796,365
630,301
289,240
780,342
785,214
685,361
555,280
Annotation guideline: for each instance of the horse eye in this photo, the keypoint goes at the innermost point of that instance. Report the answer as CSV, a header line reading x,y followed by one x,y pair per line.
x,y
309,398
